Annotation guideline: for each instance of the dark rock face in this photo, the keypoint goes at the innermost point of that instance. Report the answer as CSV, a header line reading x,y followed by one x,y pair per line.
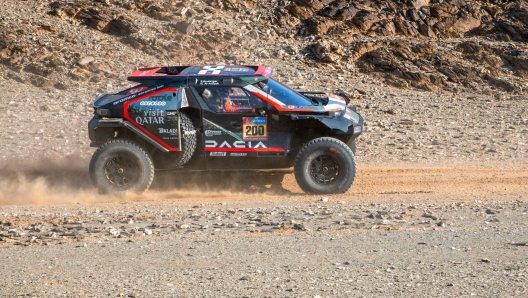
x,y
427,44
403,29
444,19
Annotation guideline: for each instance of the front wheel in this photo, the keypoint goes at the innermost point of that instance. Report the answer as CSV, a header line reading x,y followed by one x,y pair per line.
x,y
121,165
325,166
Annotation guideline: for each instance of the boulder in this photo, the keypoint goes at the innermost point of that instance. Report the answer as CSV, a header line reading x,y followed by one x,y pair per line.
x,y
183,27
85,60
94,17
121,26
364,20
426,31
465,24
347,13
419,3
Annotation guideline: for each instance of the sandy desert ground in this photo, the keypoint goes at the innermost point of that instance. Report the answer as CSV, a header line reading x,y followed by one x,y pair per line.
x,y
438,209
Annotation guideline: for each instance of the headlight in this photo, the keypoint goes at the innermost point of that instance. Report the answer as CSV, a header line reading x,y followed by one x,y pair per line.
x,y
103,112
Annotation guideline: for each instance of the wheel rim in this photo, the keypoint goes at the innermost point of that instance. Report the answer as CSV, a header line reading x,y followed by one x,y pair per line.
x,y
324,169
122,171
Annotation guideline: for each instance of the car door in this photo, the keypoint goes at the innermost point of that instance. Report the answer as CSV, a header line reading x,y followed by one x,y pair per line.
x,y
235,122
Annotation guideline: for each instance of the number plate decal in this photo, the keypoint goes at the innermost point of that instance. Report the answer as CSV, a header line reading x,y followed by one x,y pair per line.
x,y
254,129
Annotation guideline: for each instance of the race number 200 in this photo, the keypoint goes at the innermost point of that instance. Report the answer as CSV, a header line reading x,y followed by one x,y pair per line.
x,y
254,129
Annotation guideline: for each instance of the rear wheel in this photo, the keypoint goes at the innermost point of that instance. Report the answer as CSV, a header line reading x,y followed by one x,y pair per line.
x,y
324,166
121,165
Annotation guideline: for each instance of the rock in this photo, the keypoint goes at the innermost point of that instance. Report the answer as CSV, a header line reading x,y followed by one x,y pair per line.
x,y
320,27
364,20
466,24
121,26
85,60
347,13
425,30
442,10
430,215
325,52
419,3
412,14
183,27
56,62
299,226
114,232
94,17
300,12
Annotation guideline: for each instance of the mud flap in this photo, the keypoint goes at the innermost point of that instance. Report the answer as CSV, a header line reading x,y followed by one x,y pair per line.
x,y
340,123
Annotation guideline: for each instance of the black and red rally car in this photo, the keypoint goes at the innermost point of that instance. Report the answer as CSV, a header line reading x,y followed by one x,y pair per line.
x,y
227,117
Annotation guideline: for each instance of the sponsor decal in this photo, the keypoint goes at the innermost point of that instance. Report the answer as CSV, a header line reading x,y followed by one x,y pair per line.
x,y
236,69
237,154
209,83
291,107
136,90
151,117
171,131
218,154
124,99
172,113
258,120
254,129
211,69
161,98
209,124
267,72
210,133
235,144
152,103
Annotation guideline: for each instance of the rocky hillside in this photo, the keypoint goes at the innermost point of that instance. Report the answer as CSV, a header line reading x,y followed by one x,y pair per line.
x,y
430,45
435,80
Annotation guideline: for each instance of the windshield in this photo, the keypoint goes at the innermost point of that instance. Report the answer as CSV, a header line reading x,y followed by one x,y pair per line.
x,y
285,94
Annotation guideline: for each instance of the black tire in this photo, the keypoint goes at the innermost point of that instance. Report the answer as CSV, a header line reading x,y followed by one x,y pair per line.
x,y
324,166
171,160
121,165
353,146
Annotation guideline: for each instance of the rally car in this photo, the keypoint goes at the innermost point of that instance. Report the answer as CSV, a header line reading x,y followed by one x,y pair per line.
x,y
219,118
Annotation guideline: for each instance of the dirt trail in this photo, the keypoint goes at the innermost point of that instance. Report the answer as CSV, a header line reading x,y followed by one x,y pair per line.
x,y
68,183
456,181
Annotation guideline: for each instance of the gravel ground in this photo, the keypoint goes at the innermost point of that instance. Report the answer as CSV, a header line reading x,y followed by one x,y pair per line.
x,y
417,232
478,255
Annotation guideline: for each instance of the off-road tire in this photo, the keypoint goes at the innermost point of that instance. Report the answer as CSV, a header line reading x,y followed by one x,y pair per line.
x,y
171,160
324,166
121,165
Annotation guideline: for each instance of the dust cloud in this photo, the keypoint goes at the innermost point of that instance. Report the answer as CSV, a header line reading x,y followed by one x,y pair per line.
x,y
67,181
46,181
